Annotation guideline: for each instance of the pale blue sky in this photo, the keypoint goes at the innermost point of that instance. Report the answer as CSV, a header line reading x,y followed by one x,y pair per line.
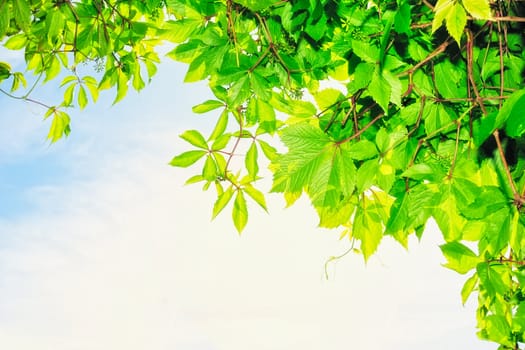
x,y
101,247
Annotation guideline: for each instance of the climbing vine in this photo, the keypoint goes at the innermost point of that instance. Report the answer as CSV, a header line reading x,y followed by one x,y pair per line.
x,y
391,112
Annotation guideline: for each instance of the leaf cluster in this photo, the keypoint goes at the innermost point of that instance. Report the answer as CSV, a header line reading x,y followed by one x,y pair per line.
x,y
390,113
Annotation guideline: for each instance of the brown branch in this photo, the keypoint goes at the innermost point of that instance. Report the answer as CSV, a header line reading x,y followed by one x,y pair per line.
x,y
440,49
508,19
470,74
362,130
232,153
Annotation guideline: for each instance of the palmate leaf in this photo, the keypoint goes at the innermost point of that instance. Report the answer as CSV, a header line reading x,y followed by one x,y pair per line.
x,y
295,169
332,184
318,166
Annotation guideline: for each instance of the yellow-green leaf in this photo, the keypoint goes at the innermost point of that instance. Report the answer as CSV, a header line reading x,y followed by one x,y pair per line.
x,y
251,161
222,201
479,9
186,159
207,106
220,127
59,126
459,258
82,97
468,288
442,8
456,22
195,138
240,212
209,171
256,195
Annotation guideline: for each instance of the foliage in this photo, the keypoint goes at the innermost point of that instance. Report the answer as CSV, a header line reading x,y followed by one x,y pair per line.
x,y
392,112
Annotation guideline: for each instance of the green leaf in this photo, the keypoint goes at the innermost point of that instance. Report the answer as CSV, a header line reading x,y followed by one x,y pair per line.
x,y
220,127
239,91
221,142
260,86
512,113
295,170
483,128
447,216
122,86
59,125
209,171
68,95
419,171
456,21
363,149
459,258
82,97
468,288
187,158
53,69
302,109
197,70
207,106
22,13
179,31
92,86
365,51
195,138
269,151
5,70
328,98
479,9
396,225
334,181
442,9
240,212
256,195
498,330
380,90
366,174
251,161
256,5
403,18
16,42
367,227
490,280
266,116
222,200
5,18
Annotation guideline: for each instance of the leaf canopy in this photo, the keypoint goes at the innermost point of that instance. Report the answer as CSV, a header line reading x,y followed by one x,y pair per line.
x,y
390,113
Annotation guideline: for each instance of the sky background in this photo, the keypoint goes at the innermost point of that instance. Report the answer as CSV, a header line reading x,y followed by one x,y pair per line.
x,y
103,248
